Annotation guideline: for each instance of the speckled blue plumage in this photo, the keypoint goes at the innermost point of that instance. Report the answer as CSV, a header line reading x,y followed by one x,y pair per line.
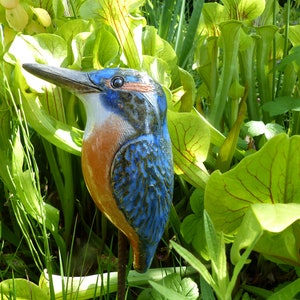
x,y
142,181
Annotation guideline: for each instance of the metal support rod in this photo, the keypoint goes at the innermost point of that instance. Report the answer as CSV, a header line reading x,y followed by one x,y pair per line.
x,y
122,262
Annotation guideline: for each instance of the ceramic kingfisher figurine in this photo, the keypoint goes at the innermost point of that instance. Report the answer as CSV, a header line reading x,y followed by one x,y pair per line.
x,y
126,150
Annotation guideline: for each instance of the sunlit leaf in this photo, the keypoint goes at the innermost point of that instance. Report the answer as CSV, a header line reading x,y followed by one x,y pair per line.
x,y
190,143
212,15
175,287
277,226
9,3
154,45
122,16
26,190
106,49
21,289
42,16
256,128
268,176
197,264
244,9
17,17
294,35
157,68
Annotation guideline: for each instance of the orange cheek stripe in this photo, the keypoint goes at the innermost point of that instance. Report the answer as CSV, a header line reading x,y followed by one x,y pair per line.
x,y
133,87
137,87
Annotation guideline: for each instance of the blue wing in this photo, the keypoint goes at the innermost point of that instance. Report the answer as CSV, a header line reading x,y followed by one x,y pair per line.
x,y
142,181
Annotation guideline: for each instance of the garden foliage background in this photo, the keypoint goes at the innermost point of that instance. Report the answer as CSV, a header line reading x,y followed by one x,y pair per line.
x,y
230,71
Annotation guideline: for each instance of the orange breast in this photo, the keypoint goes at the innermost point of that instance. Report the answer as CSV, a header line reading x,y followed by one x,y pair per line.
x,y
98,151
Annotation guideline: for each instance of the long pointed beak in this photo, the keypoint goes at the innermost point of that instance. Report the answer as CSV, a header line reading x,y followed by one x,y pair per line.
x,y
75,81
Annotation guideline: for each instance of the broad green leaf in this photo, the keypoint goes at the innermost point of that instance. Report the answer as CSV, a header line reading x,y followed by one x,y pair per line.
x,y
9,3
256,128
77,46
158,69
69,29
282,105
188,98
86,287
173,287
287,292
17,17
27,192
190,143
122,16
198,265
192,227
60,134
287,61
277,226
217,253
244,9
21,289
268,176
42,48
42,15
154,45
106,49
50,49
206,290
212,15
294,35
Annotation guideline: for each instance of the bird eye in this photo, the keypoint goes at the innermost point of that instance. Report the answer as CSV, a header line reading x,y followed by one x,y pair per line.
x,y
117,82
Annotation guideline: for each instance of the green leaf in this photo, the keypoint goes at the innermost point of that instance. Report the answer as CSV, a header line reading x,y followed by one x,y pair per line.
x,y
123,17
188,98
60,134
173,287
282,105
277,228
86,287
21,289
229,40
244,9
198,265
17,17
50,49
228,148
154,45
106,48
256,128
268,176
212,15
157,68
190,143
27,192
294,35
288,292
217,253
192,227
190,38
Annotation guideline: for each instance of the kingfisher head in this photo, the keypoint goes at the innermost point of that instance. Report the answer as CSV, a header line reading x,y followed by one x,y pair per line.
x,y
130,94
